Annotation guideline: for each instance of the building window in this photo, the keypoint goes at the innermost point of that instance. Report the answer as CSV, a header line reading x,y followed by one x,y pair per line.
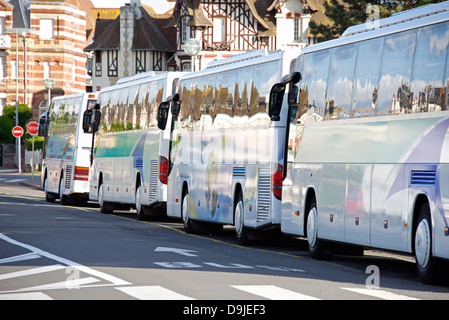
x,y
13,69
141,61
2,68
46,29
185,30
46,70
98,63
296,33
112,63
219,29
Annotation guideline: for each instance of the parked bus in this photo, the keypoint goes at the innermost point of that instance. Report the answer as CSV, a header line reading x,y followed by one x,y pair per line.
x,y
368,141
67,149
227,154
129,164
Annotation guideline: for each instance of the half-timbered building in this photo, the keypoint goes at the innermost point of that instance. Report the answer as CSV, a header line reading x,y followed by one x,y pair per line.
x,y
223,28
133,41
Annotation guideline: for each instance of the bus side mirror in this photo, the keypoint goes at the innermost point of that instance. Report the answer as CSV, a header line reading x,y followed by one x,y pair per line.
x,y
276,98
87,118
97,119
42,125
175,108
162,115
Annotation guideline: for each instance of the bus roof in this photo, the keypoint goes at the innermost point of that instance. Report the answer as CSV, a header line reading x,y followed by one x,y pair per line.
x,y
74,95
406,20
146,77
244,60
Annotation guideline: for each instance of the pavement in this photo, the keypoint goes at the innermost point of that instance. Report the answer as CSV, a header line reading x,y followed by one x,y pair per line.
x,y
35,183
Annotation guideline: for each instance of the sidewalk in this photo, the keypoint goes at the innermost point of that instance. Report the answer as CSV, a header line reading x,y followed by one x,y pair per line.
x,y
35,183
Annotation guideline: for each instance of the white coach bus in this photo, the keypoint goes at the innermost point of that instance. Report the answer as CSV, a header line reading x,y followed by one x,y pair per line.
x,y
67,149
227,154
369,140
130,159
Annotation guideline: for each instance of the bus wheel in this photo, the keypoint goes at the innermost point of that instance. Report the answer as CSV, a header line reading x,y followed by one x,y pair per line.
x,y
316,246
101,202
63,199
185,213
49,197
426,264
139,206
239,215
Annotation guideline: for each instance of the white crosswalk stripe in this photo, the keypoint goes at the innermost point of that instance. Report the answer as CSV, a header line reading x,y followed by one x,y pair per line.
x,y
274,293
153,293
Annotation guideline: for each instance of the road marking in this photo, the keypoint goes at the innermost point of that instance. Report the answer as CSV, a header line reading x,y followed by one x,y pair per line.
x,y
274,293
382,294
114,280
25,296
21,257
183,252
153,293
30,272
14,180
67,284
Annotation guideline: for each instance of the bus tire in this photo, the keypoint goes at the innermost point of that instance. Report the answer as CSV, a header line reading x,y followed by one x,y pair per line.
x,y
428,267
239,222
63,199
139,207
103,205
185,213
49,197
316,246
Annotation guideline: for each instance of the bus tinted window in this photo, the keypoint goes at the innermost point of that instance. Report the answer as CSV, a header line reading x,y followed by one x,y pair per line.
x,y
341,75
427,86
366,80
314,72
394,84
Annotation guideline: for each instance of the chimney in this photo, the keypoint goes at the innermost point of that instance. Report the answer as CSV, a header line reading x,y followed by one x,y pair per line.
x,y
126,37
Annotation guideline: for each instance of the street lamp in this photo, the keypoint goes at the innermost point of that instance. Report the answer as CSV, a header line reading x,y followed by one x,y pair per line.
x,y
23,32
192,47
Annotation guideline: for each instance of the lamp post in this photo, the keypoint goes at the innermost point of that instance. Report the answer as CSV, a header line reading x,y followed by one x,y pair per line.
x,y
23,32
192,47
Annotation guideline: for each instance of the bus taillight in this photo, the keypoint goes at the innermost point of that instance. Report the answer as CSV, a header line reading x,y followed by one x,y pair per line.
x,y
163,169
81,173
277,183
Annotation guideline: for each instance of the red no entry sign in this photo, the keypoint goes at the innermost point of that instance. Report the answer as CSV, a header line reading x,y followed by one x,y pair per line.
x,y
17,131
32,128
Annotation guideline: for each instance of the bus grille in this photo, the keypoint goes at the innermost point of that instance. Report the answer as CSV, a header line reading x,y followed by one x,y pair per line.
x,y
154,169
238,172
422,177
263,194
68,177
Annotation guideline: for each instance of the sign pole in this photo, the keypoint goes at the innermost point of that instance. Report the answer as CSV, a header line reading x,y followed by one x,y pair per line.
x,y
32,129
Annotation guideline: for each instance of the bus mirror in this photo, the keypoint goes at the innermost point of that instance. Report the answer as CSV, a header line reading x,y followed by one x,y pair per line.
x,y
292,78
87,117
42,125
175,108
292,95
162,115
97,119
276,98
174,97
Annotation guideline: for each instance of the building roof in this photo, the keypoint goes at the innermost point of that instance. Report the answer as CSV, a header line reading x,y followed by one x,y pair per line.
x,y
147,34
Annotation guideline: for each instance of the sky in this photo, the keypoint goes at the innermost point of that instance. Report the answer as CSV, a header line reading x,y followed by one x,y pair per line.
x,y
160,6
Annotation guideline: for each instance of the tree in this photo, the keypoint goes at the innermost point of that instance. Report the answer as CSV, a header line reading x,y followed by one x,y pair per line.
x,y
8,121
346,13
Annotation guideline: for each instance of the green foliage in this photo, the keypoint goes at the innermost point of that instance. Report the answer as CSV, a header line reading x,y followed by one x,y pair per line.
x,y
8,121
38,143
346,13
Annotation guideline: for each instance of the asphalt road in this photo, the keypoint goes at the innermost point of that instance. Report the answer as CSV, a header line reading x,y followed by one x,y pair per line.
x,y
49,251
